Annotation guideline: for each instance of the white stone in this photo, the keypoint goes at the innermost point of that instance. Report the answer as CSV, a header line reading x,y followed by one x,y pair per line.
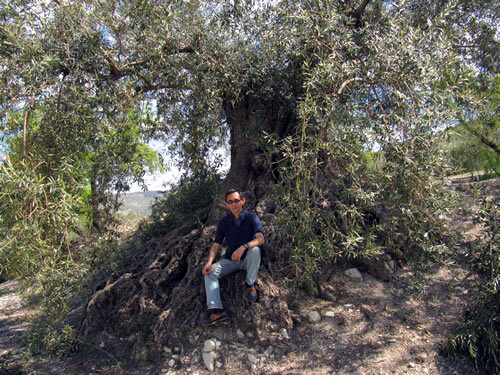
x,y
269,350
208,360
175,356
329,314
102,344
353,273
166,349
250,334
252,358
239,333
171,363
284,333
218,364
209,346
314,316
217,344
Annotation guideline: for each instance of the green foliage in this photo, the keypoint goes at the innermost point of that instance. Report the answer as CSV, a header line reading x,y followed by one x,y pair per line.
x,y
43,338
181,203
37,217
466,154
472,145
478,335
337,201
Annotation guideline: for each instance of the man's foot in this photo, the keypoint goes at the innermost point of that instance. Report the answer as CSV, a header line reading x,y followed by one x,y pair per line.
x,y
213,318
250,294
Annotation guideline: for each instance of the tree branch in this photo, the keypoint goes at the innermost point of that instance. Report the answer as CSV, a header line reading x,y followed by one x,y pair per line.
x,y
357,13
481,137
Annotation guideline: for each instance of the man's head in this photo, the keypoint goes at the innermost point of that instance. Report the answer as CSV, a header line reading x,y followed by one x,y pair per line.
x,y
234,201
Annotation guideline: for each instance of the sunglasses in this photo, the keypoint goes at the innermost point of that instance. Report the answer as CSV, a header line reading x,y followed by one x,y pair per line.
x,y
233,201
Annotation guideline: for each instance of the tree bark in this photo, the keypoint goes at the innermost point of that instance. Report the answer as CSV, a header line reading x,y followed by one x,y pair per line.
x,y
158,297
242,142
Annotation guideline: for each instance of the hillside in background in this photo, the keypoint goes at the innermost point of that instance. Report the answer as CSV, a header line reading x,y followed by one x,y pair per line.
x,y
139,202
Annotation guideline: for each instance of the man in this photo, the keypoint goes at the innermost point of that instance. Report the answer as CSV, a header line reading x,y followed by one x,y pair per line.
x,y
243,233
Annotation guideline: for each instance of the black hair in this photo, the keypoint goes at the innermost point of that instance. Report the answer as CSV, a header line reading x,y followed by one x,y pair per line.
x,y
231,191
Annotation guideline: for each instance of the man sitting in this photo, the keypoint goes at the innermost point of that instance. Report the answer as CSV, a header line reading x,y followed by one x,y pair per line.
x,y
243,233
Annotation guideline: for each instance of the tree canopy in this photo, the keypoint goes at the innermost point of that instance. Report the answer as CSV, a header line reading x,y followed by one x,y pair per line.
x,y
332,109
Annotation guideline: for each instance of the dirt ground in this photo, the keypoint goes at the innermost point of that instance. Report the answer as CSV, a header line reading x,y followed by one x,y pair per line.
x,y
374,327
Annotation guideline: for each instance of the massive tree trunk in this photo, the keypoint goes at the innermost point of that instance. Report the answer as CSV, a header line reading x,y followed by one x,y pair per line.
x,y
159,297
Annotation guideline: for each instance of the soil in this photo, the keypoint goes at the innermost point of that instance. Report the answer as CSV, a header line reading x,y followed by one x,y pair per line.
x,y
372,327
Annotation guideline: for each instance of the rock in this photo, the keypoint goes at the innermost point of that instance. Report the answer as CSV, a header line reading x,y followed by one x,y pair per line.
x,y
171,363
209,345
177,349
412,365
353,273
269,350
175,356
421,357
329,314
392,341
284,333
102,344
314,316
252,358
239,333
250,335
217,344
166,349
208,360
218,364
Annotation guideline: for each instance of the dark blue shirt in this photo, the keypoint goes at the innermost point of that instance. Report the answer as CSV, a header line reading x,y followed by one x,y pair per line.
x,y
237,231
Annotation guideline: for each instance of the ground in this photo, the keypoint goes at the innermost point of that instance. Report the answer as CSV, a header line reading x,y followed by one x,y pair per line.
x,y
373,327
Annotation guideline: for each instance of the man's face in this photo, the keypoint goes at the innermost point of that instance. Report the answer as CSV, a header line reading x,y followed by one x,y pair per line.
x,y
235,203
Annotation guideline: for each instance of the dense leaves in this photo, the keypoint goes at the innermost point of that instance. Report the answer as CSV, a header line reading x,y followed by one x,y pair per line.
x,y
337,107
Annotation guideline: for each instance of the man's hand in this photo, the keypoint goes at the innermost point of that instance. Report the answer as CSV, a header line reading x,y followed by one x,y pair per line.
x,y
206,269
236,256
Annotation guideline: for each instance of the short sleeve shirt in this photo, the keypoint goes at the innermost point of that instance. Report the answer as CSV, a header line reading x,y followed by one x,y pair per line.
x,y
237,231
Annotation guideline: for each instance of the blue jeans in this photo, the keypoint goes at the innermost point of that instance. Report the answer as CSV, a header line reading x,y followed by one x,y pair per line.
x,y
224,267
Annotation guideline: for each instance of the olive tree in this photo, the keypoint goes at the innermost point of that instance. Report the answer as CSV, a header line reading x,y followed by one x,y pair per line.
x,y
304,92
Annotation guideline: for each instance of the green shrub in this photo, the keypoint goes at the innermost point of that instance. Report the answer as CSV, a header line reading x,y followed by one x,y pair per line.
x,y
478,335
181,202
44,338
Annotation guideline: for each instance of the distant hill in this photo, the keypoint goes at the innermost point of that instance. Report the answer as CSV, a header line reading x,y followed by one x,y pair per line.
x,y
139,203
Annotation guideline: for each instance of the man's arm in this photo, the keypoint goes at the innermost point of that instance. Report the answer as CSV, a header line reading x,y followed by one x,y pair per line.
x,y
257,241
214,249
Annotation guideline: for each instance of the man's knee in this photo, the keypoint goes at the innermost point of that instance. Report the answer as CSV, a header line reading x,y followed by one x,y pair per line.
x,y
214,272
254,252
